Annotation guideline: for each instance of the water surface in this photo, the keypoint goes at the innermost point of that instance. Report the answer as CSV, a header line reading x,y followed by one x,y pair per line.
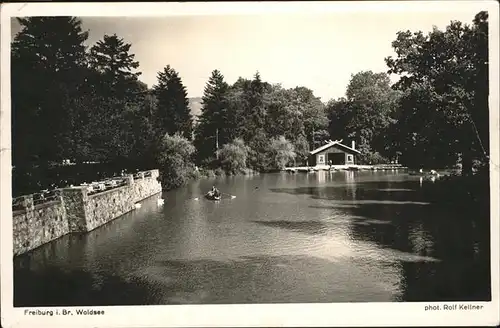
x,y
323,237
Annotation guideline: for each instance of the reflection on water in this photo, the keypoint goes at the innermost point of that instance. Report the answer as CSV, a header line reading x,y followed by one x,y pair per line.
x,y
316,237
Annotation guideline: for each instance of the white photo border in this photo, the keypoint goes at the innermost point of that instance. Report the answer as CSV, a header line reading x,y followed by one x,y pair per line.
x,y
252,315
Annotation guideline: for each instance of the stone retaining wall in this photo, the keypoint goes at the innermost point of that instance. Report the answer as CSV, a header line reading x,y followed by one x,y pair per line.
x,y
119,201
77,211
37,225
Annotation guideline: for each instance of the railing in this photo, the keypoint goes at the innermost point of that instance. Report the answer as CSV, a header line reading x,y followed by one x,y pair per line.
x,y
30,201
26,201
142,175
18,203
46,196
115,182
108,184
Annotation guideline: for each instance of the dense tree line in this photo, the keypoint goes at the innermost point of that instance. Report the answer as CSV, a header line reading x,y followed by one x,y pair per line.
x,y
443,111
266,119
437,114
71,101
86,104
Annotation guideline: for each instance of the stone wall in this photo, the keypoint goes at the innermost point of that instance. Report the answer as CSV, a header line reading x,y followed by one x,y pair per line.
x,y
106,206
77,211
36,225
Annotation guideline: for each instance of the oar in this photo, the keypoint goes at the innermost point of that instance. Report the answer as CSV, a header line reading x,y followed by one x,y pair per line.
x,y
232,196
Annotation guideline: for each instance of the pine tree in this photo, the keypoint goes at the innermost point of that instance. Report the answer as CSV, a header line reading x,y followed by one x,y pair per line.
x,y
237,108
115,65
254,132
48,70
256,103
212,130
173,114
254,114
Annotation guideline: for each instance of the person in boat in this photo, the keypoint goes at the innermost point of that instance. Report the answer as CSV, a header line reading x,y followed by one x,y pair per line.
x,y
215,191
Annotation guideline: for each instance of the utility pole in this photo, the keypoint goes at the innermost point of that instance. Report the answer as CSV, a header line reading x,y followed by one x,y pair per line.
x,y
313,140
217,143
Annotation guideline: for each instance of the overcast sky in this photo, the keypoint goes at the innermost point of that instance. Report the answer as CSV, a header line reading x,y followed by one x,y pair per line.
x,y
316,51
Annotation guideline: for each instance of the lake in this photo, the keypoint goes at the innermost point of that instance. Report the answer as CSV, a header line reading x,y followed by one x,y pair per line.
x,y
321,237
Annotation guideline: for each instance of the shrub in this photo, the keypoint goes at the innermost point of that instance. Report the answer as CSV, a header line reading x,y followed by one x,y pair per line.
x,y
301,149
233,157
258,155
281,152
206,173
372,158
220,172
175,160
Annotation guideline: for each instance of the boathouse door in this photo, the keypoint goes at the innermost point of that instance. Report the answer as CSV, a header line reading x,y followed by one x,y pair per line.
x,y
336,158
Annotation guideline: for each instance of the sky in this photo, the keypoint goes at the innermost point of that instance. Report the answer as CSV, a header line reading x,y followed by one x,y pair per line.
x,y
318,51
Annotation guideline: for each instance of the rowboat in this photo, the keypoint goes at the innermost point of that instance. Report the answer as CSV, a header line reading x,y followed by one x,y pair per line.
x,y
211,196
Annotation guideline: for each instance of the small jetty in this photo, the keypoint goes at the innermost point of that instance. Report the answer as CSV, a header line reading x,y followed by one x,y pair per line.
x,y
351,167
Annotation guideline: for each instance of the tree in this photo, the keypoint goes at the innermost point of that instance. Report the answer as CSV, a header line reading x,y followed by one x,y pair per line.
x,y
281,152
175,160
110,57
259,157
119,95
449,70
233,156
314,116
236,108
246,118
301,147
212,130
173,113
366,115
284,113
339,117
48,70
254,111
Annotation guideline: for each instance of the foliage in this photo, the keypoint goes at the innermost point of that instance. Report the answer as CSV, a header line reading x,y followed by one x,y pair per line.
x,y
174,157
282,152
259,159
366,115
173,114
445,97
212,131
301,147
70,102
112,126
112,60
372,158
258,112
253,111
314,116
233,156
48,70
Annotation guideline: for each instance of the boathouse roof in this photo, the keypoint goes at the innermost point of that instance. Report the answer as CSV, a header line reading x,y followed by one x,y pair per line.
x,y
337,143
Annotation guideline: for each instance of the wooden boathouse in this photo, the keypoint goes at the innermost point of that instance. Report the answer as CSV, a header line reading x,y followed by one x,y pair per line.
x,y
333,153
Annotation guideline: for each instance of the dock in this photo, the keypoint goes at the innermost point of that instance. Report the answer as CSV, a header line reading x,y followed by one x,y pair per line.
x,y
352,167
